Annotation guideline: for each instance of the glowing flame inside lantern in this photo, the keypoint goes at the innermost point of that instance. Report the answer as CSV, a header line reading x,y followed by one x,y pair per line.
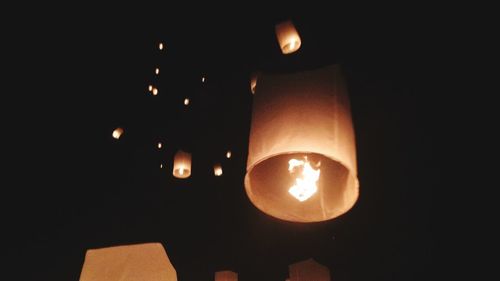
x,y
305,184
181,171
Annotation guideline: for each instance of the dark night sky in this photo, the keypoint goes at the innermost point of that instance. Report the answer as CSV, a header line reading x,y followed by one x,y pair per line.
x,y
81,73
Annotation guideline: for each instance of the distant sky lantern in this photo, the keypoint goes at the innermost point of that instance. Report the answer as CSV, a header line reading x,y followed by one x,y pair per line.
x,y
150,88
186,101
228,154
155,91
203,79
128,263
161,166
217,169
157,71
226,276
117,133
288,37
253,82
302,158
160,46
159,145
182,165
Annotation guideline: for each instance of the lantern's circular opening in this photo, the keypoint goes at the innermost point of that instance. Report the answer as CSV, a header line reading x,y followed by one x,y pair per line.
x,y
268,185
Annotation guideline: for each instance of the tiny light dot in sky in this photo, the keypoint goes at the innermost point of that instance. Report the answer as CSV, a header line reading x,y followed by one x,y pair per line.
x,y
160,46
228,154
155,91
159,145
150,88
186,101
203,79
157,71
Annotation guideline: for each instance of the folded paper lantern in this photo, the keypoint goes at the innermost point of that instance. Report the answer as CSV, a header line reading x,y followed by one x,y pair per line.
x,y
182,165
302,159
288,37
226,276
128,263
308,270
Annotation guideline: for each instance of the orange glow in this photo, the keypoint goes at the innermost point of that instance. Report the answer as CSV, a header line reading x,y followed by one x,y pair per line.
x,y
228,154
157,71
117,133
186,101
217,170
288,37
305,183
155,91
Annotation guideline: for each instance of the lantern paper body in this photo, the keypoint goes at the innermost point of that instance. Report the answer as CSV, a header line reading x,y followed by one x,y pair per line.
x,y
296,116
226,276
288,37
217,169
308,270
182,165
128,263
117,133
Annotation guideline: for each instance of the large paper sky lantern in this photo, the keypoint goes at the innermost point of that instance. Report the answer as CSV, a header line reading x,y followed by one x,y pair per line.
x,y
288,37
226,276
128,263
182,165
301,163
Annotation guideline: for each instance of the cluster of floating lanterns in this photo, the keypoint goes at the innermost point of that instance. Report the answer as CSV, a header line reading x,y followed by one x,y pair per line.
x,y
303,150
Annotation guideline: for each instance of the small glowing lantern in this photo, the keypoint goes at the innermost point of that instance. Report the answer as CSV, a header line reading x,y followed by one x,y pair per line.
x,y
253,82
228,154
218,169
157,71
186,101
302,159
226,276
128,263
159,145
288,37
161,166
308,270
150,88
160,46
203,79
182,165
117,133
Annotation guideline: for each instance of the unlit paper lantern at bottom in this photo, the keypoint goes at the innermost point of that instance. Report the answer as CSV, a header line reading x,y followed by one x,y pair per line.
x,y
182,165
308,270
226,276
302,159
128,263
